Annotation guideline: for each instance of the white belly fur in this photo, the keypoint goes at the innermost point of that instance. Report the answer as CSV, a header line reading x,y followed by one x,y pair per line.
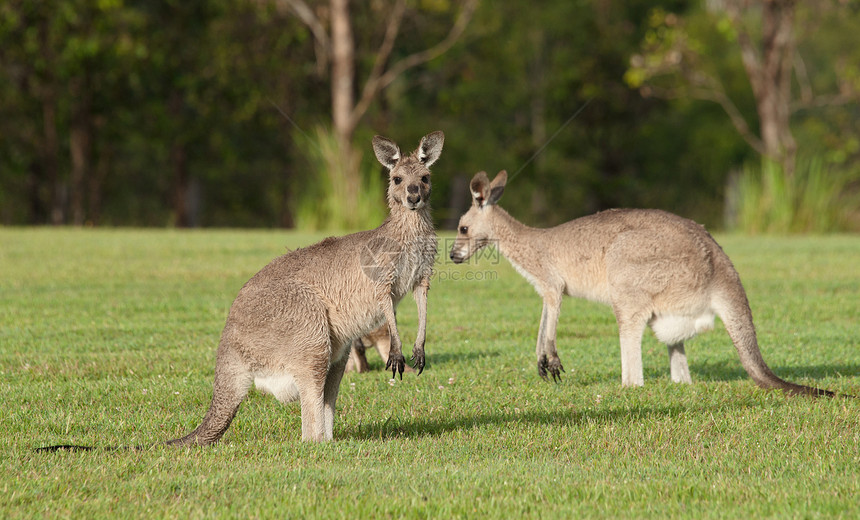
x,y
674,329
283,387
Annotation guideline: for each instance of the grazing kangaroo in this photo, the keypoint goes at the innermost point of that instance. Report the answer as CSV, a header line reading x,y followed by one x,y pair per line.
x,y
290,328
654,268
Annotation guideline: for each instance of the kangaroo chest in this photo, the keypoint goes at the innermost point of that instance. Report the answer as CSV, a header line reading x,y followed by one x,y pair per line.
x,y
413,262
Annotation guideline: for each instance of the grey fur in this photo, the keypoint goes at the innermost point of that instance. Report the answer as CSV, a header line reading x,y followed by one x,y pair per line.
x,y
652,267
379,340
290,328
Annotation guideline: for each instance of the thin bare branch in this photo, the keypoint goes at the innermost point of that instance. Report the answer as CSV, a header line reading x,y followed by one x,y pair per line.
x,y
833,100
708,88
749,52
737,119
322,43
371,88
307,16
375,85
802,76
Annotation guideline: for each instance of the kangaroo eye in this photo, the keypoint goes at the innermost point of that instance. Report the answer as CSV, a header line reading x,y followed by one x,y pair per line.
x,y
424,179
398,180
464,230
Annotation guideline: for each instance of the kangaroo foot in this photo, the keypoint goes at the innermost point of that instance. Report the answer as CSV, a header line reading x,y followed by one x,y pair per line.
x,y
552,366
418,359
397,363
542,366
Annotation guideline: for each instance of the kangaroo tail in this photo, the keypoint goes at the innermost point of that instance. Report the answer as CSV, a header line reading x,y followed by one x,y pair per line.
x,y
735,312
227,395
232,381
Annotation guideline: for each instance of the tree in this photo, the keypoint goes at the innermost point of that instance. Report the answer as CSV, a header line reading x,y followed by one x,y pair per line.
x,y
764,33
336,46
64,65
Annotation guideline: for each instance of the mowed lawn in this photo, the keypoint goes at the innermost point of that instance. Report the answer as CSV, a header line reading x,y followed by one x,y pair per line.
x,y
108,337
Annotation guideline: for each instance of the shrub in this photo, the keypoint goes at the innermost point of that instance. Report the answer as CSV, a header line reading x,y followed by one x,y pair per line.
x,y
342,192
816,199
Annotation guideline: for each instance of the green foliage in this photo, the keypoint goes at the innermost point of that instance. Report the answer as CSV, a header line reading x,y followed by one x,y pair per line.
x,y
112,341
204,102
816,199
331,200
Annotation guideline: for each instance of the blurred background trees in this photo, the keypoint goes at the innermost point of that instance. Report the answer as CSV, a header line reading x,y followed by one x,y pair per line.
x,y
737,113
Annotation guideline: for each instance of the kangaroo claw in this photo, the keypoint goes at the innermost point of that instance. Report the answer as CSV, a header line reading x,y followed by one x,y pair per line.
x,y
397,363
555,369
542,366
418,360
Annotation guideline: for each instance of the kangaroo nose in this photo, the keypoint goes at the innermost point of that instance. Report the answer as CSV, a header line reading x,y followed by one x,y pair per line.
x,y
412,188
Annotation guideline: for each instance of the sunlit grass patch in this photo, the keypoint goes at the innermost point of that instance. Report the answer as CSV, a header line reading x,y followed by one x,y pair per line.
x,y
108,338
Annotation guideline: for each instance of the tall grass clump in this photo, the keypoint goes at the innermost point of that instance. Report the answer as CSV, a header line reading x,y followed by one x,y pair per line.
x,y
342,191
815,199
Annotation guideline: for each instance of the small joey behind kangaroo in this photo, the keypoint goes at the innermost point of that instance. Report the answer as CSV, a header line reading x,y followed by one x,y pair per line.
x,y
377,339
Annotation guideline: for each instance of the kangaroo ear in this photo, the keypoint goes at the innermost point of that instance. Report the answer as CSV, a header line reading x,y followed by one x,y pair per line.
x,y
479,186
430,148
497,187
387,152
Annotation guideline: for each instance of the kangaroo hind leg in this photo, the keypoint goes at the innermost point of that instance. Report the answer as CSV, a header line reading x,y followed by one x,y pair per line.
x,y
678,363
330,391
630,328
311,383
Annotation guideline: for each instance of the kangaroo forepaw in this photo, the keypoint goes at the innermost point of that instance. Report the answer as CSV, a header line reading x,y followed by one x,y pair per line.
x,y
397,363
554,367
542,366
418,359
550,367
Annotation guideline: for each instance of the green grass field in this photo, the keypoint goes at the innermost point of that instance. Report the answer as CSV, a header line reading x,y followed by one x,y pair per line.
x,y
107,337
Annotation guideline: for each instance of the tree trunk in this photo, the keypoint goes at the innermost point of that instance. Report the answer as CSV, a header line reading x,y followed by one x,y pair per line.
x,y
343,103
179,167
96,182
537,120
770,78
342,72
80,147
458,201
51,159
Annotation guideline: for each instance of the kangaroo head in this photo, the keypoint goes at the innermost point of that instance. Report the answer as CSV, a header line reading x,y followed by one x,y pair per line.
x,y
475,230
409,177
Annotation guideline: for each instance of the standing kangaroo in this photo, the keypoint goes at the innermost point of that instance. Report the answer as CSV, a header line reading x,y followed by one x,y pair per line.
x,y
290,328
654,268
